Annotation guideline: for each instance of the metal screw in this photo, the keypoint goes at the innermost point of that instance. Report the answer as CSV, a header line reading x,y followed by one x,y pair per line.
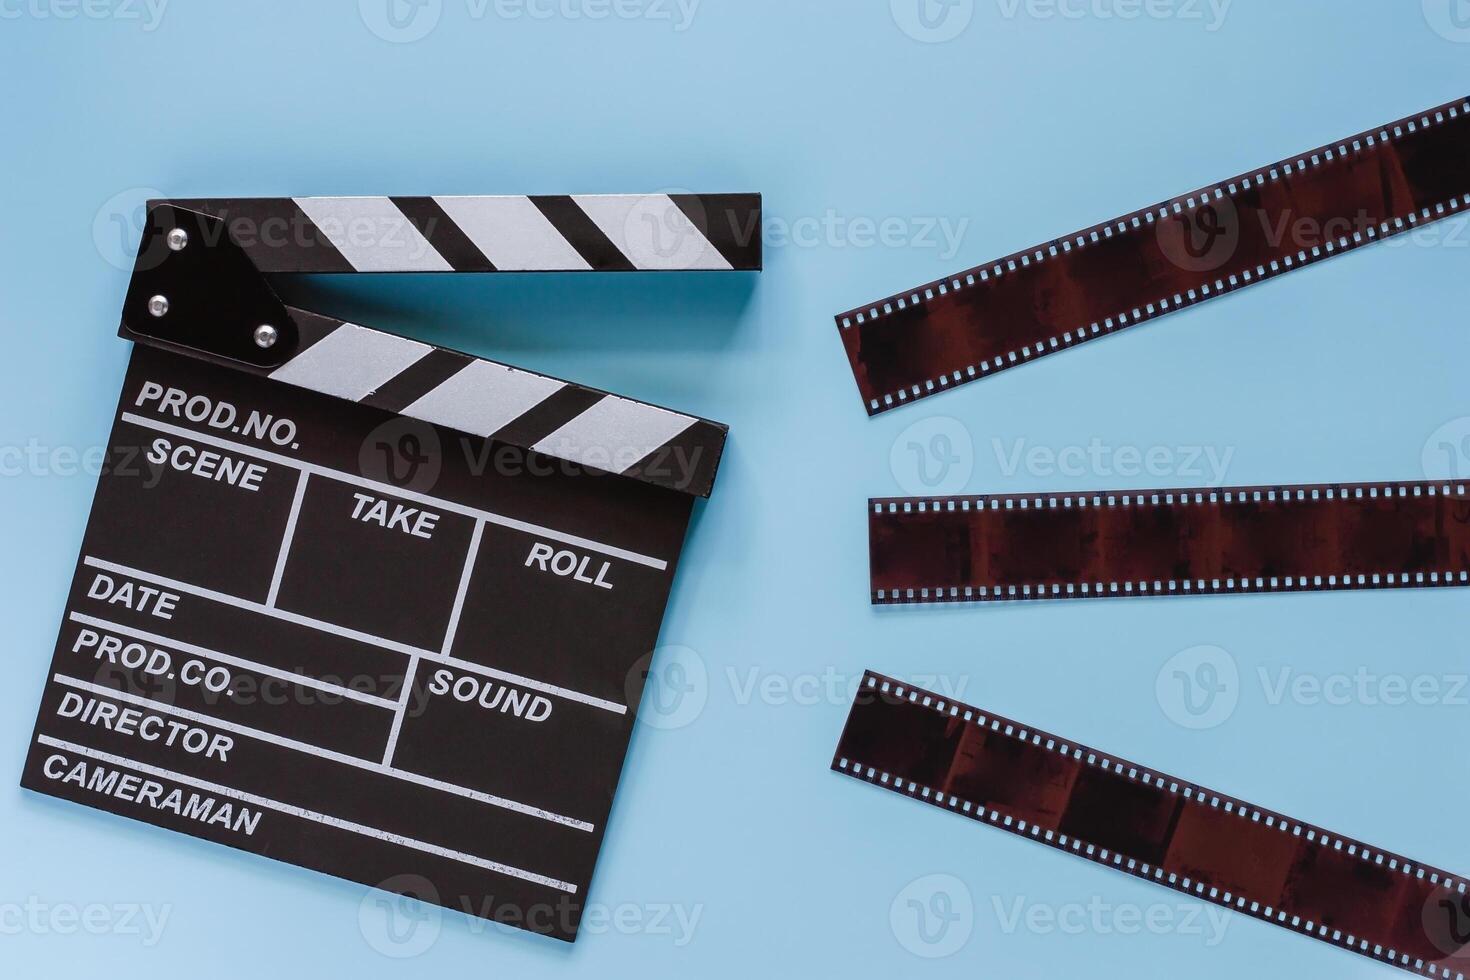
x,y
177,239
266,336
158,305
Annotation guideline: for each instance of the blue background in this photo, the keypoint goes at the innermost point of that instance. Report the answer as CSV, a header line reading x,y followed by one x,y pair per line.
x,y
1022,127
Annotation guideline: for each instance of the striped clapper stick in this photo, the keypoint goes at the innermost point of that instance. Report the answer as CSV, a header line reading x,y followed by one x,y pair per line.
x,y
537,233
363,604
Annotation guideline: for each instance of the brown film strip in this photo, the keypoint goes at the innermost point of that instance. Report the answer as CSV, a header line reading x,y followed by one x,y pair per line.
x,y
1176,254
1153,826
1169,542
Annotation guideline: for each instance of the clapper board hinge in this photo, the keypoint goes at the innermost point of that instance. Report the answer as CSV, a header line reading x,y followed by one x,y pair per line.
x,y
199,287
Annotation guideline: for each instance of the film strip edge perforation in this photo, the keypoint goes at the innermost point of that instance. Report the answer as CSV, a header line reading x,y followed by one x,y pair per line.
x,y
1037,591
1210,286
1189,792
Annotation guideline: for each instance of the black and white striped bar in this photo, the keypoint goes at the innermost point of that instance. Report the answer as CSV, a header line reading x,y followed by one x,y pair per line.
x,y
564,421
517,233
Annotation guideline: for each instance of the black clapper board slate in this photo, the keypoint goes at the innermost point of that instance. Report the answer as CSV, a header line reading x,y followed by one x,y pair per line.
x,y
272,551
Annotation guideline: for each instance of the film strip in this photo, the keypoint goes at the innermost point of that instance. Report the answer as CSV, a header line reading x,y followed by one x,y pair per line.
x,y
1176,254
508,233
1150,825
1170,542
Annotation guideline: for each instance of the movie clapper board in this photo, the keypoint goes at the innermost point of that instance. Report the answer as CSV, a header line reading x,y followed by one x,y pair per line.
x,y
363,604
